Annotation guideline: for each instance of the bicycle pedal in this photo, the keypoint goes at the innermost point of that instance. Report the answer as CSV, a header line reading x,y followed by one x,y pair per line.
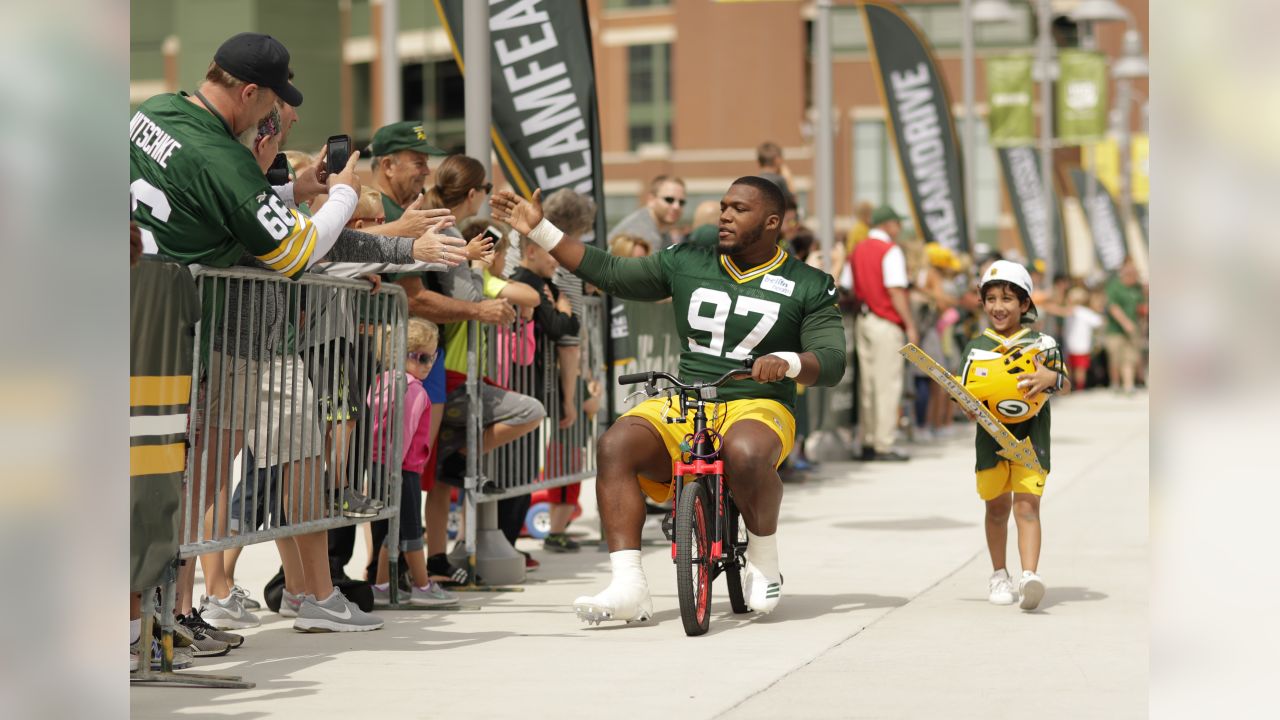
x,y
669,526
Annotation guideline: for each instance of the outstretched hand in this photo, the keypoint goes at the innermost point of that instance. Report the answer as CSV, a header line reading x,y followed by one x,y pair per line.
x,y
434,246
523,215
480,249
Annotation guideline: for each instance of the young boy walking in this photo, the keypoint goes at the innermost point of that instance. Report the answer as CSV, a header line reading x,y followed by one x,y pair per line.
x,y
1005,486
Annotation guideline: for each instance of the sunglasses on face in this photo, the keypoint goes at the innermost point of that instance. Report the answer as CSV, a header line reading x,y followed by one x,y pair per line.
x,y
422,358
487,188
675,201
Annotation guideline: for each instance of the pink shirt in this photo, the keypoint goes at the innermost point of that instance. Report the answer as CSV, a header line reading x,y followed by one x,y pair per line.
x,y
415,441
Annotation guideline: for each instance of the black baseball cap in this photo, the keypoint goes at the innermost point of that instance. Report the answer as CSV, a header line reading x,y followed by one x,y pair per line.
x,y
261,60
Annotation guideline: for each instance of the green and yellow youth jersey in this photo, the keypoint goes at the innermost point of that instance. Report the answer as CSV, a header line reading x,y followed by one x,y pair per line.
x,y
725,313
200,195
1037,428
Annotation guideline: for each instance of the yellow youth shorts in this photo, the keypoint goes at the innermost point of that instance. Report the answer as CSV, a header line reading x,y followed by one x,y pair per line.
x,y
1008,477
770,412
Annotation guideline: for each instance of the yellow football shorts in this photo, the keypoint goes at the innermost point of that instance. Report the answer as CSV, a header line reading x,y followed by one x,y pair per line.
x,y
770,412
1007,477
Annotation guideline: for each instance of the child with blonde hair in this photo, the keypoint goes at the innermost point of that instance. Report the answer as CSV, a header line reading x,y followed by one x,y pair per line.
x,y
422,340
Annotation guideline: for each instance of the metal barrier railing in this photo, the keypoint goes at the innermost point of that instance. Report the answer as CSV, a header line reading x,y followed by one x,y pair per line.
x,y
288,375
524,362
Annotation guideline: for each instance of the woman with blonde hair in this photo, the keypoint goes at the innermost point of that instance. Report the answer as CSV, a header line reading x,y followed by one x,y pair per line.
x,y
630,246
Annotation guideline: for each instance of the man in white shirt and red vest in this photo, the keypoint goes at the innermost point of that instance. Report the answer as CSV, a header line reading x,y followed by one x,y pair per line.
x,y
877,275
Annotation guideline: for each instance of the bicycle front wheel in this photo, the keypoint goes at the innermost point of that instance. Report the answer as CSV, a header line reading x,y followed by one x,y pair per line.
x,y
693,559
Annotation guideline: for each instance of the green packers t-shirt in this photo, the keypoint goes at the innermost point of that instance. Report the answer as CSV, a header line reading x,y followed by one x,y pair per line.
x,y
725,313
1037,428
200,196
1127,298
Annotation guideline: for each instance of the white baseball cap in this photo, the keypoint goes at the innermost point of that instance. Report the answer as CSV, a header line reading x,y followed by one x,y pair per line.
x,y
1010,272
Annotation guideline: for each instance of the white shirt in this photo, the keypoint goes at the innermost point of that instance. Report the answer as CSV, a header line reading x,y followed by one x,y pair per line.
x,y
1078,335
893,267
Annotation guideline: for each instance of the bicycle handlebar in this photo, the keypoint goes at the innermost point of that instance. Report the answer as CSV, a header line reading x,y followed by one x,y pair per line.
x,y
649,377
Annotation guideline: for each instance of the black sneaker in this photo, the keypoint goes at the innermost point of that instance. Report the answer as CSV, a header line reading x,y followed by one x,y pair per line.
x,y
891,456
195,622
438,565
560,542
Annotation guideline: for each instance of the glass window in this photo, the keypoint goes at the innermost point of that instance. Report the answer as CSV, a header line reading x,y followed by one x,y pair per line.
x,y
623,4
941,24
876,175
649,112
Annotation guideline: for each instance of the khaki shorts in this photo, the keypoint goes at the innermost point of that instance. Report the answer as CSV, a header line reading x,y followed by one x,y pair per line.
x,y
1122,350
274,401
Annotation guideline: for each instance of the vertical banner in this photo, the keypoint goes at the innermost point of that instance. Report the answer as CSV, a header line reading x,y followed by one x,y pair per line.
x,y
923,130
1082,96
1104,222
1021,168
546,125
1009,101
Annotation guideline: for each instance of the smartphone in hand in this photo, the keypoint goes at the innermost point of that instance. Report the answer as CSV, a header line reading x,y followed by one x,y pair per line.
x,y
338,152
495,235
278,173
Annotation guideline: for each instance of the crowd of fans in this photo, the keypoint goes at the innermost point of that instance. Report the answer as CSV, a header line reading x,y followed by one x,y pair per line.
x,y
423,214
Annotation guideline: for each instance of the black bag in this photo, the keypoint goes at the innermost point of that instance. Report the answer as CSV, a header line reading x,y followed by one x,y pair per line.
x,y
357,591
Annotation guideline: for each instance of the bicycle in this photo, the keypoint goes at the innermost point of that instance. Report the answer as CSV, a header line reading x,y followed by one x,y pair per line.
x,y
708,538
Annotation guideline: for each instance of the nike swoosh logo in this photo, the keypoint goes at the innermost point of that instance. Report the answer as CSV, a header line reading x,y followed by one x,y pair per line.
x,y
344,615
1040,484
832,291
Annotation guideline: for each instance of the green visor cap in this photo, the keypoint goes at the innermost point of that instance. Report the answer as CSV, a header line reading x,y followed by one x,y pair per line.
x,y
406,135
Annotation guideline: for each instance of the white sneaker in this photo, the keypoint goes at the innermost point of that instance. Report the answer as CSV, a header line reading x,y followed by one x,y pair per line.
x,y
289,603
227,614
762,592
1000,588
1031,588
618,602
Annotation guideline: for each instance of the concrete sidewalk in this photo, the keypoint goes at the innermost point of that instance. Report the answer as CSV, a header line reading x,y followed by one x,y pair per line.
x,y
883,615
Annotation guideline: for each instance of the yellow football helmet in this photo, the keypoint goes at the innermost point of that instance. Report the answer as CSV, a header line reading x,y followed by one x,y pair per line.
x,y
992,376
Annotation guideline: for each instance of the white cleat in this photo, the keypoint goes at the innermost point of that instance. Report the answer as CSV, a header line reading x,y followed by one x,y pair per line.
x,y
762,592
630,604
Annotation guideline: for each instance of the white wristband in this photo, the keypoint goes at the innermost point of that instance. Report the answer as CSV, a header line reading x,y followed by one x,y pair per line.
x,y
546,235
793,362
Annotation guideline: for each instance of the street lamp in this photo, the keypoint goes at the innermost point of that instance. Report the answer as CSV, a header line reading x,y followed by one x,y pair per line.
x,y
1132,63
992,11
1098,11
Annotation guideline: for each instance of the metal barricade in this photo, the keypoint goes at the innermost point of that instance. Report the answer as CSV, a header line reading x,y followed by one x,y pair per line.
x,y
296,403
524,362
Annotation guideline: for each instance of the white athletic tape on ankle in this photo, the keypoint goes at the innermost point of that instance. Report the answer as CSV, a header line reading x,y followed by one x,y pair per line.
x,y
793,362
546,235
762,551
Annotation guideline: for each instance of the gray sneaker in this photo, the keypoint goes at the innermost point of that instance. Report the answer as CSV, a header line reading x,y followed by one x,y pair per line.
x,y
432,596
336,614
227,614
192,639
289,603
248,602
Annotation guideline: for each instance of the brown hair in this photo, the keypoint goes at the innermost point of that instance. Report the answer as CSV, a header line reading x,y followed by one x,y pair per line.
x,y
624,245
768,154
456,176
216,75
656,183
572,212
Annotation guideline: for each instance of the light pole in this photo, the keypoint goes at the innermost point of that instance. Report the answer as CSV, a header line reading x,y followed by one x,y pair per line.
x,y
1045,60
1131,64
824,162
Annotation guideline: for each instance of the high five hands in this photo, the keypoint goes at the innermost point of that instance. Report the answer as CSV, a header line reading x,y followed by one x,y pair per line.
x,y
523,215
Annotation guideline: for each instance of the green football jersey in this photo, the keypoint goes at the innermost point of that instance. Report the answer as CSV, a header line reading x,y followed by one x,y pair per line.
x,y
1037,428
200,196
725,313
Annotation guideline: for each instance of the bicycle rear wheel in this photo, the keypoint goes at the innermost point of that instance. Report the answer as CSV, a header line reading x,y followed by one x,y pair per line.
x,y
693,559
733,561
